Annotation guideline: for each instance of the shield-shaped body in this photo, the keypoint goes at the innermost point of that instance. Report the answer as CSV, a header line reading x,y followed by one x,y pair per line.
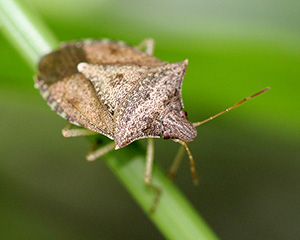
x,y
116,90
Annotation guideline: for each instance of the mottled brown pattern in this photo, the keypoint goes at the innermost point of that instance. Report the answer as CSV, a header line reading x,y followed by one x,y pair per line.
x,y
112,84
80,93
142,113
115,89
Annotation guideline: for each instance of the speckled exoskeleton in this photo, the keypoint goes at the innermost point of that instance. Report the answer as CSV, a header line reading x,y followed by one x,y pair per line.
x,y
120,91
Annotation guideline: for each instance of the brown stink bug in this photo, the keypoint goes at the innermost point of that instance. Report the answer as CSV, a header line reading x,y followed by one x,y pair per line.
x,y
117,90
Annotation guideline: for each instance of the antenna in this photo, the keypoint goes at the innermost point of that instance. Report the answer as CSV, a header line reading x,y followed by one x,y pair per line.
x,y
230,108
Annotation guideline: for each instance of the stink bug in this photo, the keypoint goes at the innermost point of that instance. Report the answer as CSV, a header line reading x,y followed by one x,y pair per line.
x,y
122,92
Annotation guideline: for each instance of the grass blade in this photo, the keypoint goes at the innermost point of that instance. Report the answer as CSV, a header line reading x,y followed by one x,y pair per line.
x,y
174,216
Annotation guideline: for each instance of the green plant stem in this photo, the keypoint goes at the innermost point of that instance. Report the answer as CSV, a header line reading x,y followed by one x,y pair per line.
x,y
174,215
26,31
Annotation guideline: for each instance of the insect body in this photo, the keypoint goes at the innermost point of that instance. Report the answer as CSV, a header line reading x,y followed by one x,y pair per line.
x,y
117,90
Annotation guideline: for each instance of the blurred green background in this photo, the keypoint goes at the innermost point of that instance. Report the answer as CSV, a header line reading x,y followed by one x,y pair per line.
x,y
248,160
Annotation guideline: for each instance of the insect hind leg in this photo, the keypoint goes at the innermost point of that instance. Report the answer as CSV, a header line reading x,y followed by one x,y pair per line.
x,y
148,45
68,131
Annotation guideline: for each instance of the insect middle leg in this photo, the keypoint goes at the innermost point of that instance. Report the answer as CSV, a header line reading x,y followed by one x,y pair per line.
x,y
148,172
93,155
77,132
148,44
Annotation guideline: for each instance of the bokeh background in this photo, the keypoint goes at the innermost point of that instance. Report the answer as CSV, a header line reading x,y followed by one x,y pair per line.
x,y
248,160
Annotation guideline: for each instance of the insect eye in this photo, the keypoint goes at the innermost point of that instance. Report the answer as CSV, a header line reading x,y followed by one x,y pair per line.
x,y
184,113
166,135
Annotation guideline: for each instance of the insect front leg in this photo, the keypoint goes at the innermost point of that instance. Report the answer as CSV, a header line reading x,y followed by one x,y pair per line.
x,y
76,132
148,172
192,163
148,44
177,160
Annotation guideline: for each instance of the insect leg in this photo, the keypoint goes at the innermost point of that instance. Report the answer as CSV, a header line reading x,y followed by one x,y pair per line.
x,y
149,161
175,165
77,132
148,172
92,156
148,44
192,163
